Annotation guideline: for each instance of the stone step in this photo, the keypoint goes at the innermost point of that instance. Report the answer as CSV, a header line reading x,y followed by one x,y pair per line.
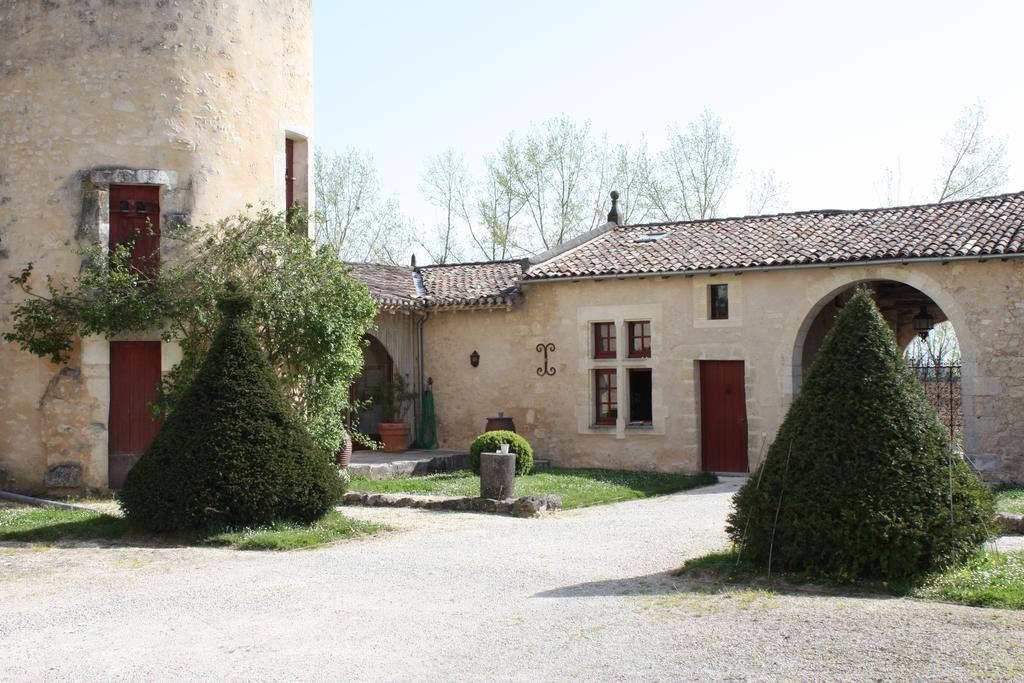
x,y
411,467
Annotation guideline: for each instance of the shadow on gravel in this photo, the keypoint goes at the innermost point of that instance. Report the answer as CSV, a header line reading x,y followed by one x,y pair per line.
x,y
665,583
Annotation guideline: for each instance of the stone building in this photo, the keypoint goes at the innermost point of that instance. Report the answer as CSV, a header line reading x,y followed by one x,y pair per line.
x,y
111,113
680,346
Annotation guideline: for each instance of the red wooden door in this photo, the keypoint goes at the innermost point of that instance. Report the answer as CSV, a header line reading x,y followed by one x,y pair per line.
x,y
289,173
135,217
134,377
723,416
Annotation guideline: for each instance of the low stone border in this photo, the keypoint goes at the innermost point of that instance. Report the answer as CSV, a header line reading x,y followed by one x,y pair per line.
x,y
527,506
1010,523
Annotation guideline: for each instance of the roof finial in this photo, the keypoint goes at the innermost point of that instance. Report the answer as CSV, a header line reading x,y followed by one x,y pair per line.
x,y
613,215
413,263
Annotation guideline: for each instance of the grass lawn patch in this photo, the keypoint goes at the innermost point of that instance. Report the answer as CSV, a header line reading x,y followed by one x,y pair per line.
x,y
576,487
989,579
45,525
1010,499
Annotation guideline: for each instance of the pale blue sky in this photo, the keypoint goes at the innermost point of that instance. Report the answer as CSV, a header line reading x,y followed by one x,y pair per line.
x,y
827,94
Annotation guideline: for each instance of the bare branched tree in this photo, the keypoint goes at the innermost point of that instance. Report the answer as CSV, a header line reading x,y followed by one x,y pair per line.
x,y
766,194
555,172
695,171
940,347
889,188
352,215
448,187
975,164
631,173
498,206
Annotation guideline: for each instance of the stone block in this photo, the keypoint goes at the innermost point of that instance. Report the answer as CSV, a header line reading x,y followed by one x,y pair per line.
x,y
65,475
497,475
1010,523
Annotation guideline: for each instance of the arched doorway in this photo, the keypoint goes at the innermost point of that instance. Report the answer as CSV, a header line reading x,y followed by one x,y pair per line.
x,y
378,369
922,329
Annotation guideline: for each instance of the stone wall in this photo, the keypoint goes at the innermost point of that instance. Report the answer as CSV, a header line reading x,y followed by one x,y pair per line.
x,y
194,97
770,313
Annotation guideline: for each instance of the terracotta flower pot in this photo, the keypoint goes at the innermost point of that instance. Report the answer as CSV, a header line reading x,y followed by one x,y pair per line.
x,y
395,436
344,455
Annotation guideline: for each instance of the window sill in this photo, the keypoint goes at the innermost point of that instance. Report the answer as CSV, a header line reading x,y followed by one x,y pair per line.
x,y
642,427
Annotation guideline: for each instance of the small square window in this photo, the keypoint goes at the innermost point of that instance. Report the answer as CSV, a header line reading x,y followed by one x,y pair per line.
x,y
718,302
639,339
606,399
604,340
640,402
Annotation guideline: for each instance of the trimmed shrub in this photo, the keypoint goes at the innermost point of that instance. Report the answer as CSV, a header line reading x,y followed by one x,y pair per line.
x,y
490,442
861,471
232,453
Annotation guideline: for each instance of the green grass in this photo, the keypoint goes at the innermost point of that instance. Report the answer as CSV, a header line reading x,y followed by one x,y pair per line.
x,y
989,579
576,487
284,536
42,525
45,525
1010,499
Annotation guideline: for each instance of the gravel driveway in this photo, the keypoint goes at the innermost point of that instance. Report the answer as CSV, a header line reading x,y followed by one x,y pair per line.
x,y
580,595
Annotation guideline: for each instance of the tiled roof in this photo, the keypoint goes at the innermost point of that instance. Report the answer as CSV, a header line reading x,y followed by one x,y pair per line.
x,y
492,283
989,226
390,286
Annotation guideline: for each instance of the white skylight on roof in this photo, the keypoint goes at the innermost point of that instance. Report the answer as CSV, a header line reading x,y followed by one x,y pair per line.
x,y
652,236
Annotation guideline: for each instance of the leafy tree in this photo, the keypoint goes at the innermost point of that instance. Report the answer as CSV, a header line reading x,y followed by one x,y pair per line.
x,y
498,207
233,453
354,217
861,480
631,175
975,164
447,186
311,314
695,172
556,172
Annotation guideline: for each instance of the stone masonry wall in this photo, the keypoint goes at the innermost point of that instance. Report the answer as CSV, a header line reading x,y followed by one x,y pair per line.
x,y
770,313
196,97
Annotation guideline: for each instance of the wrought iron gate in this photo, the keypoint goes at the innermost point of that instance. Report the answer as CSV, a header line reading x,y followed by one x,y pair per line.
x,y
941,384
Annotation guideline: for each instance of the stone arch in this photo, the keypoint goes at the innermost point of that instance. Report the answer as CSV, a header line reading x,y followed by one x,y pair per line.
x,y
843,279
378,367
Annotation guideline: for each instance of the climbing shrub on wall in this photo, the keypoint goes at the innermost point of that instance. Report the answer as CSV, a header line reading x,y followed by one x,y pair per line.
x,y
309,315
861,480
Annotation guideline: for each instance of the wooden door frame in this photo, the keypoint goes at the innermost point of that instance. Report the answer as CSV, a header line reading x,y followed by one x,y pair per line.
x,y
703,431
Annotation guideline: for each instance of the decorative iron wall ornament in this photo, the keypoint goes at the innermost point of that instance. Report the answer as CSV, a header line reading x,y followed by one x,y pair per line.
x,y
547,370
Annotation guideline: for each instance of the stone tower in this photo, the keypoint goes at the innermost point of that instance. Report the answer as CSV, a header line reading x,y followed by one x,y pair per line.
x,y
192,105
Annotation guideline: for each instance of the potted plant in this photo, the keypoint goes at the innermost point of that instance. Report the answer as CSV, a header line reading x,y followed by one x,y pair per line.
x,y
392,397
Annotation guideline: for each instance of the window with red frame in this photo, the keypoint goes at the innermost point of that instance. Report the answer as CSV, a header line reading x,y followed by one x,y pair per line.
x,y
606,398
639,339
604,340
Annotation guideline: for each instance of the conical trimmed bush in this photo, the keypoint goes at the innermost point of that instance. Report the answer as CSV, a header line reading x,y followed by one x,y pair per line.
x,y
233,453
858,480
